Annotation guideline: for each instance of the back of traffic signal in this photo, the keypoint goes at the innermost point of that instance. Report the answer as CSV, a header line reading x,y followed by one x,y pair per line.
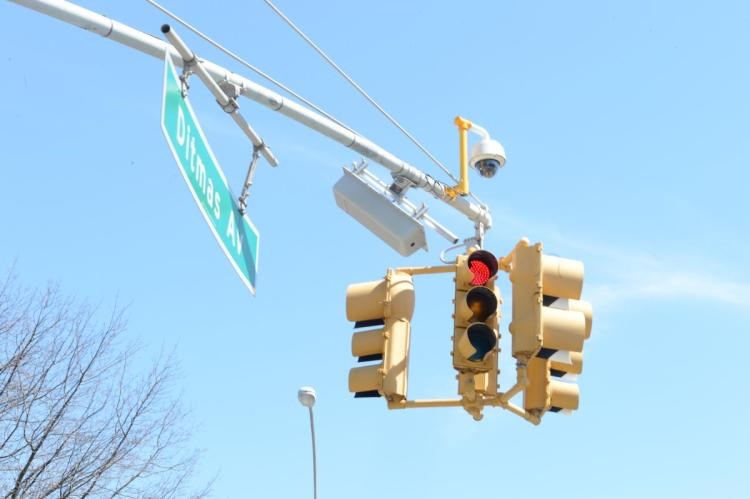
x,y
549,325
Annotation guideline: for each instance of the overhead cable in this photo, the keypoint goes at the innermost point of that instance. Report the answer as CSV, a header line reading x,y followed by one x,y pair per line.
x,y
298,96
359,88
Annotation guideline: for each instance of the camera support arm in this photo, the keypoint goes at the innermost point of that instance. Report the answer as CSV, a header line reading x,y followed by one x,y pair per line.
x,y
464,125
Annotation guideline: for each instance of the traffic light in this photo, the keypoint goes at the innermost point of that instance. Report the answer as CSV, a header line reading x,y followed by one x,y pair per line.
x,y
549,326
477,301
382,311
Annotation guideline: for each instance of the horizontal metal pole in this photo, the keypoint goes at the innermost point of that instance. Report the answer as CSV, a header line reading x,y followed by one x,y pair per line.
x,y
440,269
121,33
418,404
489,401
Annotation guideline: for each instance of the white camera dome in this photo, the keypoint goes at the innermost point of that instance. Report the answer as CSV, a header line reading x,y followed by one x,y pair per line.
x,y
487,156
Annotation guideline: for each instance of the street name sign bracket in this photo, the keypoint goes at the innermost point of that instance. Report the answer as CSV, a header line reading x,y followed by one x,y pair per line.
x,y
226,97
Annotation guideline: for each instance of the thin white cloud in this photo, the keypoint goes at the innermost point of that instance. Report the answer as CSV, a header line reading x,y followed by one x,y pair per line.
x,y
617,277
627,276
665,283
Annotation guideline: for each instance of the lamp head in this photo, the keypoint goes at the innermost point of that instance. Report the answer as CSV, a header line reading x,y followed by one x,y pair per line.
x,y
306,396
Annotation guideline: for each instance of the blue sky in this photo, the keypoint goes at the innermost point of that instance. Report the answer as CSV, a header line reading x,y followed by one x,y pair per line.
x,y
625,126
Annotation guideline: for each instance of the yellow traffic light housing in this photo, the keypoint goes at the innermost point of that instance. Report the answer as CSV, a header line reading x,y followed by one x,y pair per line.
x,y
475,318
550,324
549,327
382,311
544,393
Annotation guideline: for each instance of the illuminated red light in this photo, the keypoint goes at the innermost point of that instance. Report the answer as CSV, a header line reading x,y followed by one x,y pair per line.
x,y
481,272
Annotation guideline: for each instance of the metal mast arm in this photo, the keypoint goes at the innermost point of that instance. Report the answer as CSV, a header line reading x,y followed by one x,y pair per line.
x,y
143,42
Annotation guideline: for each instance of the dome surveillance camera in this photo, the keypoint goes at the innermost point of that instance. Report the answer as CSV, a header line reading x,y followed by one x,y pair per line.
x,y
487,157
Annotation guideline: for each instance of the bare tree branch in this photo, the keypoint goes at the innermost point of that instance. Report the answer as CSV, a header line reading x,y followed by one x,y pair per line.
x,y
74,420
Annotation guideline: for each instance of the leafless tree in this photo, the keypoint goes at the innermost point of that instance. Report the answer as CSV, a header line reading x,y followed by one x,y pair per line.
x,y
74,419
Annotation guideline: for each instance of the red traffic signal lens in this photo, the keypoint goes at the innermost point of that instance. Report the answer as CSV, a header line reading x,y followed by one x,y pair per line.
x,y
482,265
480,271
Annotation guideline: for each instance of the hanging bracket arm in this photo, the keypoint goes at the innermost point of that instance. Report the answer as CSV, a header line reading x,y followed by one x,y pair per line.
x,y
228,104
248,180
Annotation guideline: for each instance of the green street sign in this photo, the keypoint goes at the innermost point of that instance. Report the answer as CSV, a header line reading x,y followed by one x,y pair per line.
x,y
235,233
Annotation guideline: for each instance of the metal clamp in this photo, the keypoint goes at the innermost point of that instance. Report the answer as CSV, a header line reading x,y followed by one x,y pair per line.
x,y
400,185
187,72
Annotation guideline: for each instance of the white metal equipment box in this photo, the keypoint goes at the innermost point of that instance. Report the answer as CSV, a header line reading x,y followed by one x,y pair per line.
x,y
380,214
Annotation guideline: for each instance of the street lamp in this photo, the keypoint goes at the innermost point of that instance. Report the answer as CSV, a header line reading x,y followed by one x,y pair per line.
x,y
306,397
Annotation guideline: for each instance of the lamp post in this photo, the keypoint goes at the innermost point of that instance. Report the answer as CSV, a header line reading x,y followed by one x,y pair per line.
x,y
306,396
